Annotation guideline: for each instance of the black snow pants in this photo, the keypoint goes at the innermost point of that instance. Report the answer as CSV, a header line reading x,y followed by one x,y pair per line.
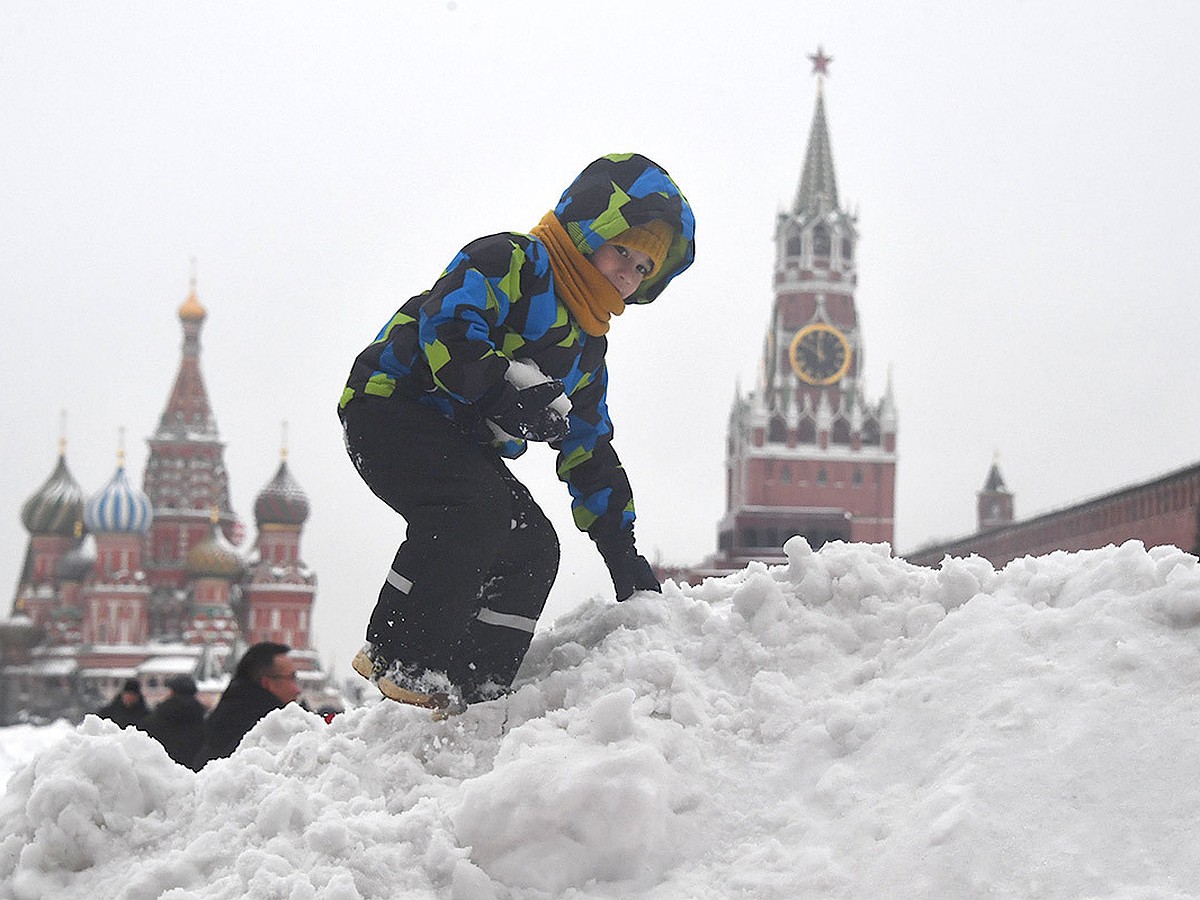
x,y
468,583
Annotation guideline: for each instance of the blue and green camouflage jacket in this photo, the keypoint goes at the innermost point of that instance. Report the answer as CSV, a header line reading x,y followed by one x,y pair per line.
x,y
496,303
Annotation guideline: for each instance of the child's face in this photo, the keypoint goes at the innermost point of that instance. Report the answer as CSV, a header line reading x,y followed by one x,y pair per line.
x,y
623,267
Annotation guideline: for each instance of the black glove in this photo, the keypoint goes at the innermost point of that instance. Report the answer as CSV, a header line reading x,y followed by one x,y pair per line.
x,y
526,413
629,570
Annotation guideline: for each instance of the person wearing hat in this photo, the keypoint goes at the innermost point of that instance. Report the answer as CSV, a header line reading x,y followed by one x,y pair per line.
x,y
178,721
128,707
508,346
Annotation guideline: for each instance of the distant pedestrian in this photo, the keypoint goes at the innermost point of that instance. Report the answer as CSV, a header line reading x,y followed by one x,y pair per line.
x,y
128,707
178,722
265,680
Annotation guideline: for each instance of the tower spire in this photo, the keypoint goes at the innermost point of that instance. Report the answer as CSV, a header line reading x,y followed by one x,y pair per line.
x,y
187,411
817,192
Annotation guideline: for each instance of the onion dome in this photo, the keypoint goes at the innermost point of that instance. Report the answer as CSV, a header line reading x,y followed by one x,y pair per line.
x,y
77,563
282,501
56,506
118,507
214,557
192,310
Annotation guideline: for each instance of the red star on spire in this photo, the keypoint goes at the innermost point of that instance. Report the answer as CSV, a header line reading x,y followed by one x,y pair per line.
x,y
820,61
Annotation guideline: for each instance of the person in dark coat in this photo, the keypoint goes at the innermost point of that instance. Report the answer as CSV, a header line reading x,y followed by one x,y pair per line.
x,y
265,680
178,722
126,708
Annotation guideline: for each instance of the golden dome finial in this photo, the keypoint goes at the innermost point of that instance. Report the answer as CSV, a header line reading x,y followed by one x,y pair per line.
x,y
192,310
283,451
121,447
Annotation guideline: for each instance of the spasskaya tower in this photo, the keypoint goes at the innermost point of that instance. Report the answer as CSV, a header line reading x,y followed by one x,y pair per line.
x,y
807,451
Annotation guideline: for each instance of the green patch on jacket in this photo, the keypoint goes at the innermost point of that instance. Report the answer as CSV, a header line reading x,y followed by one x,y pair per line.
x,y
572,460
584,518
380,385
511,283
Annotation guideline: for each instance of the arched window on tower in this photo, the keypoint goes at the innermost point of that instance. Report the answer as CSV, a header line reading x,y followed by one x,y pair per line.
x,y
777,430
840,433
806,431
847,250
794,246
870,432
821,242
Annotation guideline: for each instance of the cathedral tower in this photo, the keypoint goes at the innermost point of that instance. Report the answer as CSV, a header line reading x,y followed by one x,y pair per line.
x,y
185,472
807,452
115,602
281,588
52,516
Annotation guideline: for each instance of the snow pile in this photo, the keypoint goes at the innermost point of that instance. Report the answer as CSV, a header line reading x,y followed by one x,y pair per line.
x,y
846,725
20,743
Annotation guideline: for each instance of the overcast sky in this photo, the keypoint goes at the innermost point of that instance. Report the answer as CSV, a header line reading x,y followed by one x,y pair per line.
x,y
1027,179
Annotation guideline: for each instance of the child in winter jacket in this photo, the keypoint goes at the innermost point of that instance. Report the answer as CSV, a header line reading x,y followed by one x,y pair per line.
x,y
506,347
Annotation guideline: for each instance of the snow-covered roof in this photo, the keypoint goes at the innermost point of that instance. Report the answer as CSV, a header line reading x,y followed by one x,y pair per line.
x,y
121,672
167,664
50,667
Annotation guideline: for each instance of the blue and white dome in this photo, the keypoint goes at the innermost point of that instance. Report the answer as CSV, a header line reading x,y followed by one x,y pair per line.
x,y
118,507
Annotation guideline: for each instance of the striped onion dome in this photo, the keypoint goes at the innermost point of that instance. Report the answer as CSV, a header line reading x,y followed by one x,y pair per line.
x,y
214,557
118,507
282,501
56,506
77,563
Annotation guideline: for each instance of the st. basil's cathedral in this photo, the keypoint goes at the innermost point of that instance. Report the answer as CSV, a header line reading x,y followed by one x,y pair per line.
x,y
149,582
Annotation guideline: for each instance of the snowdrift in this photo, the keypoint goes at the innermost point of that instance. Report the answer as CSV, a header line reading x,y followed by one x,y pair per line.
x,y
846,725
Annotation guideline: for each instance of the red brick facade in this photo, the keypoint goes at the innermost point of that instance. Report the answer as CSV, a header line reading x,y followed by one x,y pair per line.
x,y
1162,511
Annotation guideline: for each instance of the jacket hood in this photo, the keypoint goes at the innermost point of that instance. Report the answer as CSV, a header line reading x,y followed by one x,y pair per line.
x,y
619,191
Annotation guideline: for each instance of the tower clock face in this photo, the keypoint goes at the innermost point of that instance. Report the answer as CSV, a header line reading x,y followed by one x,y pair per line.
x,y
820,354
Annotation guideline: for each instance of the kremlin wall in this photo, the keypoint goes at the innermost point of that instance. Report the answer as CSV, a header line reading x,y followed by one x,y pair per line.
x,y
149,582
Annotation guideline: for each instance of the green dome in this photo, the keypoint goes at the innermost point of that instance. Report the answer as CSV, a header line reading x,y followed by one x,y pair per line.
x,y
57,505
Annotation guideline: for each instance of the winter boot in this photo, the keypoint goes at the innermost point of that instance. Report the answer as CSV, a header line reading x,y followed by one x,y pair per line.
x,y
394,680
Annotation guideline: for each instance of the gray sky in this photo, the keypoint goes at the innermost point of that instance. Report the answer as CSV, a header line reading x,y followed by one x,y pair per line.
x,y
1027,177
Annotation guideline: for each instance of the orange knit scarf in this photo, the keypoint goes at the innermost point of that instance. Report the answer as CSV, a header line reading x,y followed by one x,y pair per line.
x,y
589,296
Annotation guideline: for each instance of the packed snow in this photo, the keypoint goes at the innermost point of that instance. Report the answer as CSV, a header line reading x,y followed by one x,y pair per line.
x,y
846,725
